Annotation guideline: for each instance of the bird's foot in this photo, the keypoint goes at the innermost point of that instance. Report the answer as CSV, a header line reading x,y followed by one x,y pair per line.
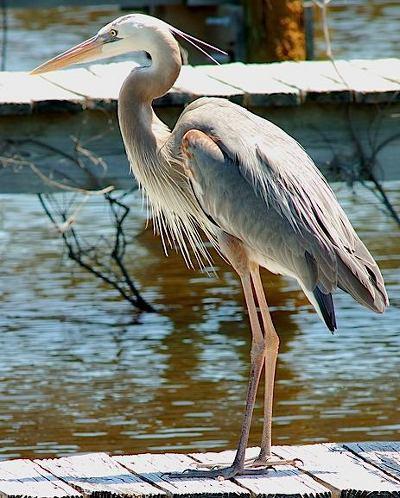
x,y
251,466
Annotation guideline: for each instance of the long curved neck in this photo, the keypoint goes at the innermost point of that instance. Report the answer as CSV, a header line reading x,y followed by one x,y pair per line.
x,y
147,83
142,131
157,171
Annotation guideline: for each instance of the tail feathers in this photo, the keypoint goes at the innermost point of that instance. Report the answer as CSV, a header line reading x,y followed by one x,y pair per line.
x,y
326,307
363,281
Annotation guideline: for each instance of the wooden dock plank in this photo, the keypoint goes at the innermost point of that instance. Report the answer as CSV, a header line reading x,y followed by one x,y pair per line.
x,y
282,481
316,81
342,470
31,93
24,478
113,74
83,82
195,81
98,474
385,68
277,84
191,83
368,87
154,468
256,82
330,470
384,455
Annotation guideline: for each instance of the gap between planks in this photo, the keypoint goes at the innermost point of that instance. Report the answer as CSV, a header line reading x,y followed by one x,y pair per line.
x,y
377,454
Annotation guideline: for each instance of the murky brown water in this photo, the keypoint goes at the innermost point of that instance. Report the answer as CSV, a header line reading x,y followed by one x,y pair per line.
x,y
80,372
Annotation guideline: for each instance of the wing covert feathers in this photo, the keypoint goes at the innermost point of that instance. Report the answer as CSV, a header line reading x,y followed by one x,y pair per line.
x,y
296,219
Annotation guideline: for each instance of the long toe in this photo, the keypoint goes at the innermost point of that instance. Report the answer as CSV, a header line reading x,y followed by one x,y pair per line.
x,y
220,473
211,466
265,463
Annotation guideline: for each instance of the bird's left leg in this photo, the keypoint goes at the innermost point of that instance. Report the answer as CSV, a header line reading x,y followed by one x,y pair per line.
x,y
234,251
271,340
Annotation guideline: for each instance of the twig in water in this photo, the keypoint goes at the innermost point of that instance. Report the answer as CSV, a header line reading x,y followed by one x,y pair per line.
x,y
90,257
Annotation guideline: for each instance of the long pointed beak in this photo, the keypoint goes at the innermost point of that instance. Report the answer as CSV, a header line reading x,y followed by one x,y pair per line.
x,y
84,52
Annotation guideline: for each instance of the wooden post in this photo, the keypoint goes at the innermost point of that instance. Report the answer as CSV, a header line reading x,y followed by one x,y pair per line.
x,y
275,30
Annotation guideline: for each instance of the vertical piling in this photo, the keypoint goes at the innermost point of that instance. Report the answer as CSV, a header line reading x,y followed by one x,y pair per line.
x,y
275,30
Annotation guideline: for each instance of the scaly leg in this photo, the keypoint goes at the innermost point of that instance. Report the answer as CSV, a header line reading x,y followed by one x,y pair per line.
x,y
271,355
236,254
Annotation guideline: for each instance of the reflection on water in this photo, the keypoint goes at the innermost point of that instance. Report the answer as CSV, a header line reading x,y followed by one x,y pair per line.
x,y
359,29
79,371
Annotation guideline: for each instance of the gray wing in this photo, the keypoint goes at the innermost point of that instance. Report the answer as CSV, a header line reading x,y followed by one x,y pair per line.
x,y
258,184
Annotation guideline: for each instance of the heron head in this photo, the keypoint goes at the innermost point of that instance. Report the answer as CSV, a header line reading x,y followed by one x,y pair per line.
x,y
130,33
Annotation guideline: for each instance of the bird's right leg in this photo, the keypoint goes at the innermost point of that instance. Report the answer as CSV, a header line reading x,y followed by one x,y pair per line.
x,y
234,251
265,458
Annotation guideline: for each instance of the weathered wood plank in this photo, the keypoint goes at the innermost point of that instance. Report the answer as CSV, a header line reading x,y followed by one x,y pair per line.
x,y
100,84
196,81
256,82
341,469
23,93
385,68
24,478
368,88
329,470
153,468
317,81
95,91
278,84
98,474
284,480
113,74
385,455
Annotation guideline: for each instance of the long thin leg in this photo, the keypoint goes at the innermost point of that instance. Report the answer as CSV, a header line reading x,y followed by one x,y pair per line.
x,y
265,346
257,362
234,251
270,358
271,355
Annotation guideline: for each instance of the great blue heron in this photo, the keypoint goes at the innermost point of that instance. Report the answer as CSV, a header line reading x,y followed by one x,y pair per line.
x,y
246,184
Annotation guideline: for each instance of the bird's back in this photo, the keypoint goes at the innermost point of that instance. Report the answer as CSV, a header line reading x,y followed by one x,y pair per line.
x,y
257,183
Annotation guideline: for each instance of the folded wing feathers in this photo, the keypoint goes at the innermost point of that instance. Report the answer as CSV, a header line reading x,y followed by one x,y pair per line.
x,y
288,181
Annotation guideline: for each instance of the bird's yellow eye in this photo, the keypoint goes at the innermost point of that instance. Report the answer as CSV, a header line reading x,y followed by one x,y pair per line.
x,y
114,33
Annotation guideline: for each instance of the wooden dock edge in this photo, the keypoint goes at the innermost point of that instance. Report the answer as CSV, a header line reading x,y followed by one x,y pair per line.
x,y
60,131
329,470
